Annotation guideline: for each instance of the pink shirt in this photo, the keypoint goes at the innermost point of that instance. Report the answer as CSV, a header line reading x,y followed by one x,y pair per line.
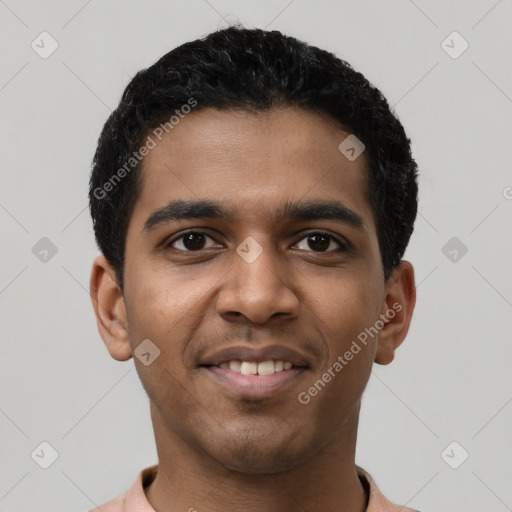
x,y
135,500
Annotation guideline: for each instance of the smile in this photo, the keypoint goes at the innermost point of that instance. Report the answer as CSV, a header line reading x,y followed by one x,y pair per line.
x,y
254,368
255,380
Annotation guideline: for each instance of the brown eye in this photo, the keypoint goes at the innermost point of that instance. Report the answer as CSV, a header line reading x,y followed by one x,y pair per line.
x,y
321,242
191,241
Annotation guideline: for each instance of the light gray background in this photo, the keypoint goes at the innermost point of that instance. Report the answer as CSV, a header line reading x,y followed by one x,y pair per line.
x,y
451,377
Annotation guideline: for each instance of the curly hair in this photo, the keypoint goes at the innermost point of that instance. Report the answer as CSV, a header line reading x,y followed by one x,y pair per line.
x,y
254,70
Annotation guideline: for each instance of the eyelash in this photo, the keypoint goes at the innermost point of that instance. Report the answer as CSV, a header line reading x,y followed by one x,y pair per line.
x,y
344,246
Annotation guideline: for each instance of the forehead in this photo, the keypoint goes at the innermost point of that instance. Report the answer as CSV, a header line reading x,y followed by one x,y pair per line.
x,y
254,164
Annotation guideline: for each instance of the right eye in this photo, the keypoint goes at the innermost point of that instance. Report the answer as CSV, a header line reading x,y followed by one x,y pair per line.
x,y
190,241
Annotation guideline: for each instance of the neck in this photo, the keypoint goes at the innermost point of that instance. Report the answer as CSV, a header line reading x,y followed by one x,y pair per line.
x,y
189,479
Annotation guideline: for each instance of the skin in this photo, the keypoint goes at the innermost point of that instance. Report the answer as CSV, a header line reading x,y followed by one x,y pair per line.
x,y
217,450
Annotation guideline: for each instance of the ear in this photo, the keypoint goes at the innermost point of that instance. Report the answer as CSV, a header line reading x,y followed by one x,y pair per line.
x,y
396,311
109,308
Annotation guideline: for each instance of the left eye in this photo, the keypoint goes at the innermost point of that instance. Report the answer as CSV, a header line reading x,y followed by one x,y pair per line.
x,y
321,242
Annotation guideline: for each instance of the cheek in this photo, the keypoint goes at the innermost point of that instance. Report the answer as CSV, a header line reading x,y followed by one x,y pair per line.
x,y
159,309
167,308
161,300
344,312
345,309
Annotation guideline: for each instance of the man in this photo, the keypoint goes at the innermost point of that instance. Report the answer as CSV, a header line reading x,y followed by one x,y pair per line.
x,y
252,198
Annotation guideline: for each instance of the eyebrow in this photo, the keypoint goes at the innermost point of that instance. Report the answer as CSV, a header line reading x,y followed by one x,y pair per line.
x,y
177,210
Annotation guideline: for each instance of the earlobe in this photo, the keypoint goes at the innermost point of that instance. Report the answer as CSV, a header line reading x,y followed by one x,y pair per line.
x,y
109,308
396,312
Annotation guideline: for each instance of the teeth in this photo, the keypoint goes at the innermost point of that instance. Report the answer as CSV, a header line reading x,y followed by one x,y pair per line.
x,y
235,365
251,368
266,368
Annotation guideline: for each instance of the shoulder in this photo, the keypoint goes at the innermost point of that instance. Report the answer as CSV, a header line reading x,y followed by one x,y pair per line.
x,y
134,499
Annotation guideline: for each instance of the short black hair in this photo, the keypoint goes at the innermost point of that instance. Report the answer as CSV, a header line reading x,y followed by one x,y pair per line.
x,y
254,70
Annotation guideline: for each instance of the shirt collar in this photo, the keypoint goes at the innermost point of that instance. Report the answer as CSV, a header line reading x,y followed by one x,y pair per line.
x,y
135,500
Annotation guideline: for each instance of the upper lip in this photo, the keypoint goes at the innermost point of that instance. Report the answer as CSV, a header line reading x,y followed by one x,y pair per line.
x,y
255,355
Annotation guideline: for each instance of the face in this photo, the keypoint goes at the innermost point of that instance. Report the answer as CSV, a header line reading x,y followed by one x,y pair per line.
x,y
253,241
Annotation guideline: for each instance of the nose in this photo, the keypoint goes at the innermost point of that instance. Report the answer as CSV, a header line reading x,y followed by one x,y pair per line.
x,y
258,291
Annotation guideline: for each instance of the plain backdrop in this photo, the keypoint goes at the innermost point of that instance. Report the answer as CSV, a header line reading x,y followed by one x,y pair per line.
x,y
447,395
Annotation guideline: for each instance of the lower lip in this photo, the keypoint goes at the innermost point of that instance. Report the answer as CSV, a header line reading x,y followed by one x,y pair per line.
x,y
255,386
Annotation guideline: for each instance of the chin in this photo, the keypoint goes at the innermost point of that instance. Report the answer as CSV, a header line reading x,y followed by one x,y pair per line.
x,y
261,454
257,463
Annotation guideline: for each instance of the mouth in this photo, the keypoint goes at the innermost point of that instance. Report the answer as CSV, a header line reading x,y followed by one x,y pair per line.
x,y
255,375
254,386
